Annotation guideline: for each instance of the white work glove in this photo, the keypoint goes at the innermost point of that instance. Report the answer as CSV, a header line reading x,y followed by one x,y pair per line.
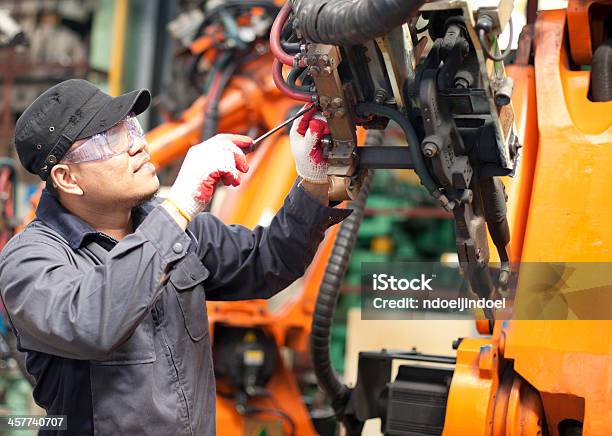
x,y
305,136
218,159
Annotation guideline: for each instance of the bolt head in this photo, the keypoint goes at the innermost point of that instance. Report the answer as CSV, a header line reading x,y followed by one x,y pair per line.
x,y
430,149
461,82
502,99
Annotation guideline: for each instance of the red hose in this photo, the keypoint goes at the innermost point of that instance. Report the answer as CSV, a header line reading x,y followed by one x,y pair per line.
x,y
212,92
279,81
275,35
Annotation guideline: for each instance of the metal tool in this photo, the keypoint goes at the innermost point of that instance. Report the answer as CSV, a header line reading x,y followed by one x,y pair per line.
x,y
280,126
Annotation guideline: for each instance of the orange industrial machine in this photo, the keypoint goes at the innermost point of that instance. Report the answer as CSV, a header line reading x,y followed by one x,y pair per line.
x,y
521,377
552,377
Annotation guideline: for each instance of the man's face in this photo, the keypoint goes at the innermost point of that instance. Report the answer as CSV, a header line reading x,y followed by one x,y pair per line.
x,y
126,179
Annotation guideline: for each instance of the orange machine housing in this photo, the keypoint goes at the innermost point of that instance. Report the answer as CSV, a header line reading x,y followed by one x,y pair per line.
x,y
531,377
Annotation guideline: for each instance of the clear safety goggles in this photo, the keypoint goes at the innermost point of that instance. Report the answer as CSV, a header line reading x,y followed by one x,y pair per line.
x,y
114,141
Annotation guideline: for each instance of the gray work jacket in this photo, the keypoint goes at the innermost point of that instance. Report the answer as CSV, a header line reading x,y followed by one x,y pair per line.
x,y
123,325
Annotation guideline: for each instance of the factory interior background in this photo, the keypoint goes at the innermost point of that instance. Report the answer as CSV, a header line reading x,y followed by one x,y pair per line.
x,y
122,45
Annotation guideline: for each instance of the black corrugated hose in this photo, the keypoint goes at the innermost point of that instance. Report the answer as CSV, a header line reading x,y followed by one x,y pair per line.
x,y
350,22
329,291
601,72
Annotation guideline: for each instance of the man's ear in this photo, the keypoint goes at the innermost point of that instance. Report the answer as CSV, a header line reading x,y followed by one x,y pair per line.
x,y
64,180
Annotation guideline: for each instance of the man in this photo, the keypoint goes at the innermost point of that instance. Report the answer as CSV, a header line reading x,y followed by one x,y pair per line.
x,y
106,289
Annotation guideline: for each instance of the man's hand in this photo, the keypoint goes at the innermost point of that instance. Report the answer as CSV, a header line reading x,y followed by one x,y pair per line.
x,y
220,159
305,136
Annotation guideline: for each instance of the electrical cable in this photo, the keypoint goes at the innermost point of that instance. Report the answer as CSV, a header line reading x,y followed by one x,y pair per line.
x,y
279,81
351,22
275,35
210,120
211,108
211,112
291,47
486,50
293,76
287,35
413,141
329,291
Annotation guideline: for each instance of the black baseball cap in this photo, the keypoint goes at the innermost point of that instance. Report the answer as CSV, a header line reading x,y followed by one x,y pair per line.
x,y
71,110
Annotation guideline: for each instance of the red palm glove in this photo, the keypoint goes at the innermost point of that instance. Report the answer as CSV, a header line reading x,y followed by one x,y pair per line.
x,y
305,136
218,160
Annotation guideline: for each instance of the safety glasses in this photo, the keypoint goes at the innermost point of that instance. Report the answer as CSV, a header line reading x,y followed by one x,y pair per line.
x,y
116,140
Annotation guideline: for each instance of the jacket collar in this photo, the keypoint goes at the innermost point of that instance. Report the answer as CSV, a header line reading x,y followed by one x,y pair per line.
x,y
72,228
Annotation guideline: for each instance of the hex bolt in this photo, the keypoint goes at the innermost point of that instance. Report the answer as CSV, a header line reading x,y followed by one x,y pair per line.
x,y
379,96
503,91
327,70
461,82
430,149
324,101
339,113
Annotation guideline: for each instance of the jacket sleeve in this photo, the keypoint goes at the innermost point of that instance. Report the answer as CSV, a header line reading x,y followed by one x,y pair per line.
x,y
58,309
249,264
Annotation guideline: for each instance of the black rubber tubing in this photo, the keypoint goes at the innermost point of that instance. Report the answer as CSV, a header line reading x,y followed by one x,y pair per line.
x,y
601,72
325,307
350,22
413,141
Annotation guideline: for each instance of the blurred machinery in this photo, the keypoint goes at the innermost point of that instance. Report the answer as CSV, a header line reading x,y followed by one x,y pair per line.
x,y
452,97
37,50
11,33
